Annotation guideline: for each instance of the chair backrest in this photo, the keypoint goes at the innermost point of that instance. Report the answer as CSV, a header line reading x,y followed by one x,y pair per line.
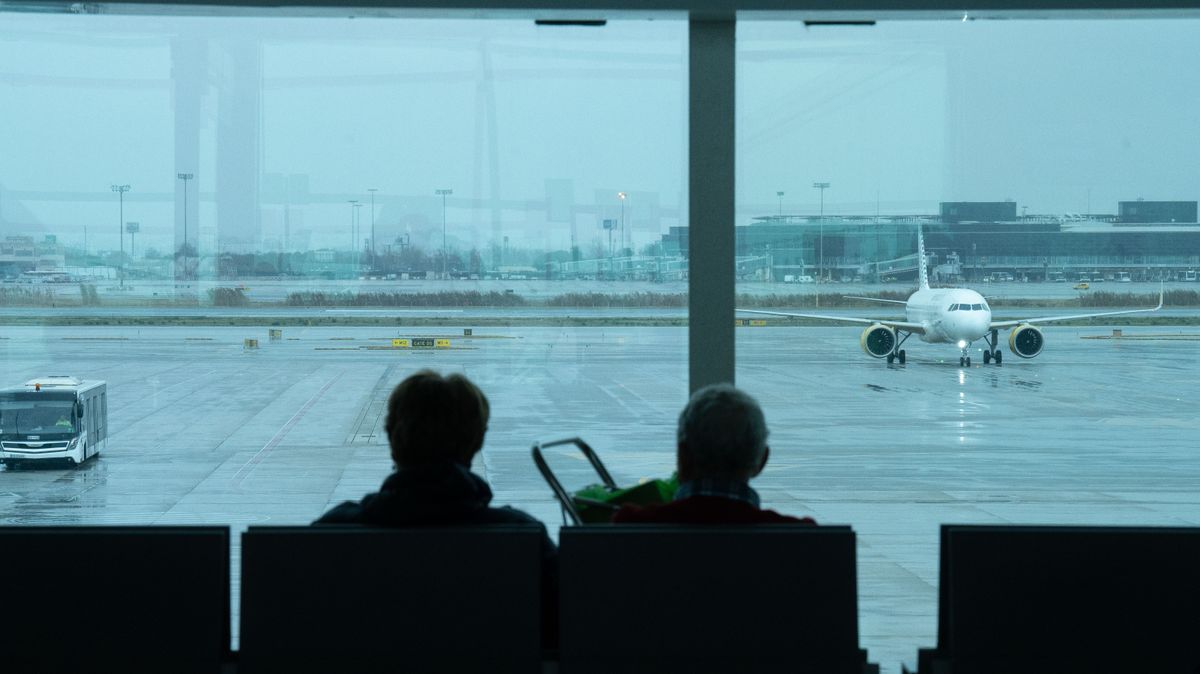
x,y
1069,599
114,599
348,598
764,598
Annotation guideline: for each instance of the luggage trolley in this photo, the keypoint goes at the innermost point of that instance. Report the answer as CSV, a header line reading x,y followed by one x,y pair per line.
x,y
596,503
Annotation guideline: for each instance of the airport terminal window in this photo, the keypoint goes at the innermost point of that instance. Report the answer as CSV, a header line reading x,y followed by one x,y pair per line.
x,y
1053,168
252,228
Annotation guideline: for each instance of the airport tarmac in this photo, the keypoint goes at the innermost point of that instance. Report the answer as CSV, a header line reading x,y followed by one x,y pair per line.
x,y
206,431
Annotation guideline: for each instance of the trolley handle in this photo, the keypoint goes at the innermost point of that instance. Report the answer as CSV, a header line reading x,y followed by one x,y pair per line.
x,y
564,498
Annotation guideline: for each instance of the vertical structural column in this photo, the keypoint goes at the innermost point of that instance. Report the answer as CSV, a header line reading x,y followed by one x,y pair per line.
x,y
239,146
711,237
189,73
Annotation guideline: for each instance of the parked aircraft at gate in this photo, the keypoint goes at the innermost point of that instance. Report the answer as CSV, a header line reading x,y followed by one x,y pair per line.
x,y
958,316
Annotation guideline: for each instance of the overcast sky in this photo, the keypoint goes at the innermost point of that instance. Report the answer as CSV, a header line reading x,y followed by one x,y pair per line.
x,y
897,117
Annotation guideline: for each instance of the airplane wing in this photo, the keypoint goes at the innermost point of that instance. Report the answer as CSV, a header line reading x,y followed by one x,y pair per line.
x,y
917,328
873,299
1055,319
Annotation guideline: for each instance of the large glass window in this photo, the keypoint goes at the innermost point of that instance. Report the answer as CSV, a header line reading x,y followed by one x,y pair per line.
x,y
1053,167
253,228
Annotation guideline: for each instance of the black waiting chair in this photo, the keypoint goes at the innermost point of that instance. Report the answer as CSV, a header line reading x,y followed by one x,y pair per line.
x,y
1066,599
766,598
114,599
356,599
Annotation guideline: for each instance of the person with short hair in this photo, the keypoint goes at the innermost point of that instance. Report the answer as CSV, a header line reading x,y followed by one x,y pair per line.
x,y
435,426
721,440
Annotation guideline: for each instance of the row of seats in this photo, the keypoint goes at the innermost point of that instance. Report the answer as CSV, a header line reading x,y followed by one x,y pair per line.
x,y
631,599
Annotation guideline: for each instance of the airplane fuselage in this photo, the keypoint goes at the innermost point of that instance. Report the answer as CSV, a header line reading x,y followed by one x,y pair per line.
x,y
950,315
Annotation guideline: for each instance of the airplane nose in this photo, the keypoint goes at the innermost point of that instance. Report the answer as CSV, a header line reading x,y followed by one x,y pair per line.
x,y
973,325
982,322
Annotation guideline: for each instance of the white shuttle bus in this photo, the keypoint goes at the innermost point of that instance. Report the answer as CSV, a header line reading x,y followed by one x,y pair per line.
x,y
53,418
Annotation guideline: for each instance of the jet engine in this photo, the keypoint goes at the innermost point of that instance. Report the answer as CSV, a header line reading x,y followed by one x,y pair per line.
x,y
878,340
1026,341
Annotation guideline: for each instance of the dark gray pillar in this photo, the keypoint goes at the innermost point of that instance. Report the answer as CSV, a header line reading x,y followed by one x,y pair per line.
x,y
711,201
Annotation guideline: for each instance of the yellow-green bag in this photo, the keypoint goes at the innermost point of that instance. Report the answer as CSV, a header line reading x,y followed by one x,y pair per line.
x,y
596,503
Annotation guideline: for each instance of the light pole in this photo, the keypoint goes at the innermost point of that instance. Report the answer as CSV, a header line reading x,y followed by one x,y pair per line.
x,y
821,234
373,190
121,190
780,195
445,256
622,196
353,203
185,177
357,237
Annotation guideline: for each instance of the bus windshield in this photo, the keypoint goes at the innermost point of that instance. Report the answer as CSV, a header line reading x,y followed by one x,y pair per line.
x,y
36,416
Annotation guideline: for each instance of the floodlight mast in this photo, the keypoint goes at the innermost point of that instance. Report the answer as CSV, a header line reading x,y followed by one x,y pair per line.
x,y
821,235
373,190
353,204
185,177
445,254
121,190
821,241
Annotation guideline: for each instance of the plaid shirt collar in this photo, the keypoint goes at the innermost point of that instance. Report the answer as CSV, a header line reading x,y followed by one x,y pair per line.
x,y
730,489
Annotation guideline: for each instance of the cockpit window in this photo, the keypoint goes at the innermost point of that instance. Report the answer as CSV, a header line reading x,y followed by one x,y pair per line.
x,y
976,307
953,307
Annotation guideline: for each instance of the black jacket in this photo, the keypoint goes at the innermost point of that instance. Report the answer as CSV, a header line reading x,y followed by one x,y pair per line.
x,y
440,494
448,494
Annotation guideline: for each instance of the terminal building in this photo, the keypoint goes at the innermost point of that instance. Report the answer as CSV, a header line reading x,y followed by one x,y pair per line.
x,y
971,242
21,254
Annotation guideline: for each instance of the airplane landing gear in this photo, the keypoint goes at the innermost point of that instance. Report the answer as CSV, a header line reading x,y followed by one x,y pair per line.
x,y
992,353
897,353
964,360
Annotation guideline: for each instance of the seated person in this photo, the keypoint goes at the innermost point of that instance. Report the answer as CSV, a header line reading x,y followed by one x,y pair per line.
x,y
722,443
435,427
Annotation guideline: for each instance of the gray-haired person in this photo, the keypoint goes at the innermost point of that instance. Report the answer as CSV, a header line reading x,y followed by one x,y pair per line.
x,y
721,441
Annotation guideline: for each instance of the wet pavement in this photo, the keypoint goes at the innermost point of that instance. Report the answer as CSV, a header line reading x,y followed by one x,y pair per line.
x,y
205,431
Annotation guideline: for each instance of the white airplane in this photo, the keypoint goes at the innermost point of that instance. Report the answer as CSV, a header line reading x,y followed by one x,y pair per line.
x,y
956,316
